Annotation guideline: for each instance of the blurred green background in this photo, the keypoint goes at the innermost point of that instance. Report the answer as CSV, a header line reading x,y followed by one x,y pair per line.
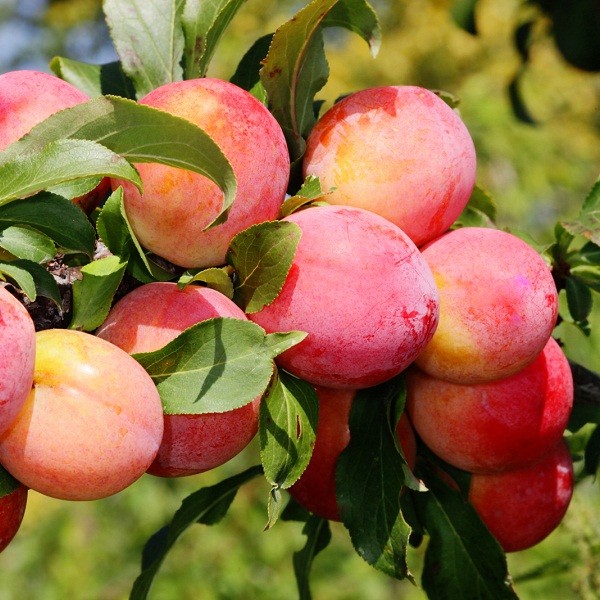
x,y
537,174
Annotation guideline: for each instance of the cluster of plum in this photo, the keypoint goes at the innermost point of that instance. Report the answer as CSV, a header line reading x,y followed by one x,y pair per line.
x,y
379,282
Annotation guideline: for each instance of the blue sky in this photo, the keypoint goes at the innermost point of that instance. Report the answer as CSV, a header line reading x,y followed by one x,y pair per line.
x,y
26,44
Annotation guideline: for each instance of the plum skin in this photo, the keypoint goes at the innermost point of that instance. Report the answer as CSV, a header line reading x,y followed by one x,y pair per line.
x,y
17,357
496,426
177,205
522,507
399,151
362,292
92,423
145,320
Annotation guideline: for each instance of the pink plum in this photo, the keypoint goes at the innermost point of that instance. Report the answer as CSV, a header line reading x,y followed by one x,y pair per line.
x,y
399,151
316,490
17,356
148,318
496,426
523,506
498,305
361,290
92,423
177,205
29,97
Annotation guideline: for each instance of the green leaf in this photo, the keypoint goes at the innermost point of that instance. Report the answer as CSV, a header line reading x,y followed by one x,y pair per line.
x,y
247,73
8,484
148,38
592,452
463,14
586,403
94,80
75,188
206,506
519,108
587,275
310,192
579,299
287,429
113,228
462,560
589,254
215,277
563,241
45,284
318,536
357,16
214,366
54,216
295,68
58,162
144,267
138,133
94,293
204,22
24,242
587,223
481,210
262,256
115,231
21,277
369,480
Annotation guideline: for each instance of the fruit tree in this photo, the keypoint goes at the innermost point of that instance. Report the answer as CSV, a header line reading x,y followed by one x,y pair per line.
x,y
188,264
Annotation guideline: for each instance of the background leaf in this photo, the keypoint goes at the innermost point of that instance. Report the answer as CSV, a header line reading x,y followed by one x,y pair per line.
x,y
586,402
148,38
247,73
318,536
463,13
206,506
587,222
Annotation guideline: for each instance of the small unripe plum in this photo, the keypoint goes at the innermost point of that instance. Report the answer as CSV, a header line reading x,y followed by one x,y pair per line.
x,y
361,290
522,507
17,356
92,423
498,305
150,317
177,205
12,510
315,490
497,426
399,151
